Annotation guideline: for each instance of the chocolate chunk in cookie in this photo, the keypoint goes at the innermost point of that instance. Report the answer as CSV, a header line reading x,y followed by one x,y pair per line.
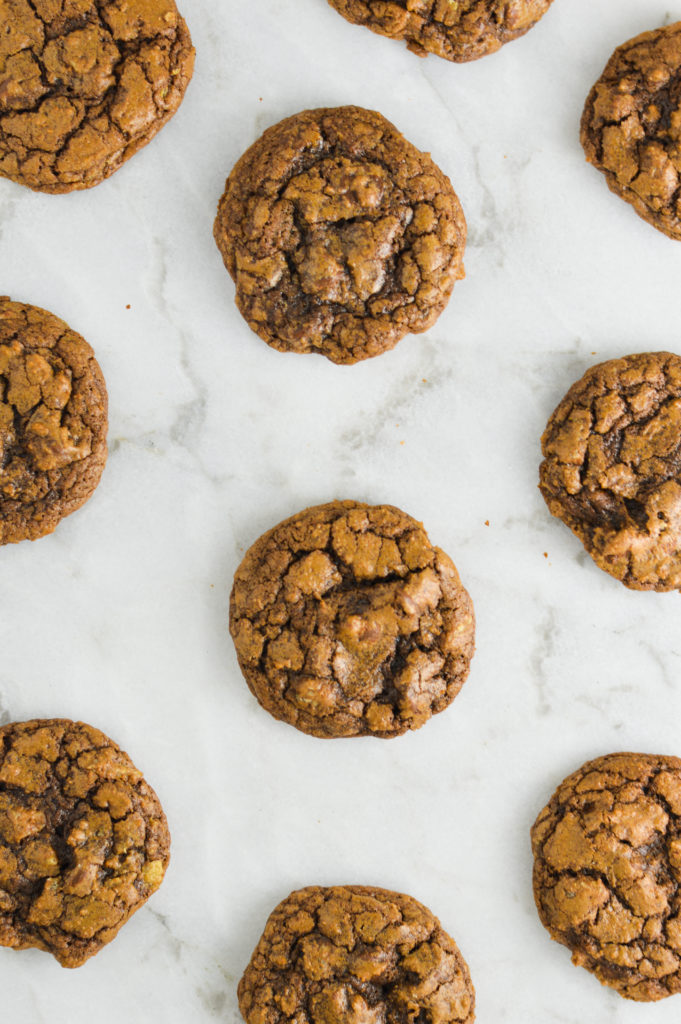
x,y
631,126
458,30
612,467
348,622
341,236
83,839
355,955
53,420
84,84
607,872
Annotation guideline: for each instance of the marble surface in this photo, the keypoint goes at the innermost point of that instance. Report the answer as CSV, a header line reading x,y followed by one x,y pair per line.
x,y
120,617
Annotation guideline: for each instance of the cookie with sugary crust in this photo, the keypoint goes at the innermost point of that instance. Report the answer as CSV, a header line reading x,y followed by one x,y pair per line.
x,y
348,622
458,31
340,235
612,467
84,841
53,421
631,126
354,954
84,84
607,871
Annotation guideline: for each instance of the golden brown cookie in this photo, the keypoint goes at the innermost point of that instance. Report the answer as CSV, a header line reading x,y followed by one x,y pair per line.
x,y
612,467
354,954
631,126
458,30
348,622
340,235
83,839
607,871
84,84
53,421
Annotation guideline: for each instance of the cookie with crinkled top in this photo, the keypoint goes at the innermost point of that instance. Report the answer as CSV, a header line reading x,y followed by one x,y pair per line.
x,y
340,235
84,841
612,467
458,30
84,84
348,622
353,954
53,421
631,126
607,871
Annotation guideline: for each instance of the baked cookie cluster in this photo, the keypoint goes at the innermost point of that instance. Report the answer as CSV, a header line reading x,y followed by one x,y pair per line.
x,y
341,237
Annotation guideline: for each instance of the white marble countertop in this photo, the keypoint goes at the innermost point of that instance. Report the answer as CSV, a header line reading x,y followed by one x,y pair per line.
x,y
120,617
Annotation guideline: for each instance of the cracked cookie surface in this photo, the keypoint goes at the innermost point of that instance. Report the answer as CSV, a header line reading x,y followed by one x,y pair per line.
x,y
612,467
348,622
84,84
607,871
458,30
355,955
631,126
83,839
53,421
340,235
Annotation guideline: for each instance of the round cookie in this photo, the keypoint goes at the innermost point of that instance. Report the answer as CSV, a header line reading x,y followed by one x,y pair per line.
x,y
83,839
459,31
84,84
348,622
612,467
607,871
340,235
631,126
359,955
53,421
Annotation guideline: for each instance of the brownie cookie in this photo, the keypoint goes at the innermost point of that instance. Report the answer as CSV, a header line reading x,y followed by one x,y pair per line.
x,y
631,126
607,871
458,31
53,420
355,955
340,235
84,84
348,622
83,839
612,467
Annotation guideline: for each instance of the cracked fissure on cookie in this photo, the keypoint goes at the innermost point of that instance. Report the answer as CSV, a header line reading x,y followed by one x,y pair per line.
x,y
347,622
607,872
355,955
83,839
53,408
84,84
340,235
631,126
457,30
612,467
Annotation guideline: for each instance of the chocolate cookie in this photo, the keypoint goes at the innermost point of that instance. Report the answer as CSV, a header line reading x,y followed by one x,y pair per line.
x,y
83,839
348,622
355,955
631,126
53,420
607,871
612,467
341,236
458,31
84,84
